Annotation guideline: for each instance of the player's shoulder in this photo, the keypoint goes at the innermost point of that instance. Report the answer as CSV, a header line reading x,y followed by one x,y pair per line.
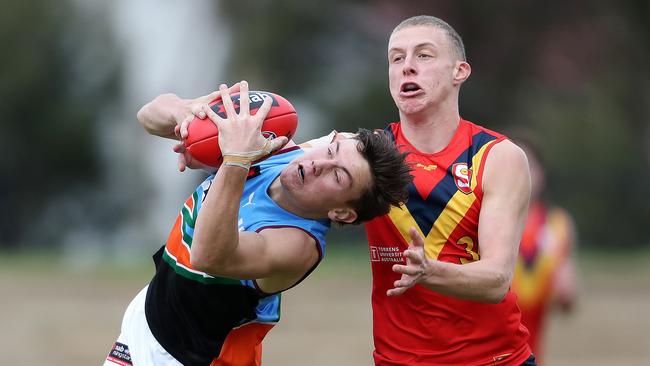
x,y
506,165
326,140
506,151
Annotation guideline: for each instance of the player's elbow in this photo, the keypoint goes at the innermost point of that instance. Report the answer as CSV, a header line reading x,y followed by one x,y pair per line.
x,y
144,119
198,262
203,261
146,114
497,295
499,289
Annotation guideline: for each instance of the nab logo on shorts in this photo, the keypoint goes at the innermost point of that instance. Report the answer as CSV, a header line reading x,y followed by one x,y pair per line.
x,y
462,177
119,355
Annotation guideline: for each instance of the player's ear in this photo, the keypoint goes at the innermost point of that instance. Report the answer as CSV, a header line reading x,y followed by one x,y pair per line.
x,y
461,72
346,215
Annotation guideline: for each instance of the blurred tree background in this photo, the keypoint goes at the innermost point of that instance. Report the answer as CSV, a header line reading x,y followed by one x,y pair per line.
x,y
58,74
574,72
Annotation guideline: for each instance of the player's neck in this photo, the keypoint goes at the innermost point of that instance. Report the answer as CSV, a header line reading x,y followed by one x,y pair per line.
x,y
430,132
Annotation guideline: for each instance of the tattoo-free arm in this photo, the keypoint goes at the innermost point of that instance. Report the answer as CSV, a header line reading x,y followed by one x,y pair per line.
x,y
506,187
276,257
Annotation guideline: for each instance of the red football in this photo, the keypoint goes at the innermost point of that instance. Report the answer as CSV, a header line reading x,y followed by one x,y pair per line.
x,y
202,139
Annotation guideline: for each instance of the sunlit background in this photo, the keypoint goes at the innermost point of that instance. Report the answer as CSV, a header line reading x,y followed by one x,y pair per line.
x,y
86,195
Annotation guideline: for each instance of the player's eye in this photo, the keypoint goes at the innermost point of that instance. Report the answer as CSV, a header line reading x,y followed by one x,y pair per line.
x,y
424,55
336,176
397,58
329,152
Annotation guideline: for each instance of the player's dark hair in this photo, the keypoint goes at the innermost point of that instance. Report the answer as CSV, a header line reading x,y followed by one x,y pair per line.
x,y
427,20
389,172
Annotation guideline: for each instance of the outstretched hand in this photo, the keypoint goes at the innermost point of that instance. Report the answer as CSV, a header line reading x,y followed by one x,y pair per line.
x,y
240,133
415,268
195,107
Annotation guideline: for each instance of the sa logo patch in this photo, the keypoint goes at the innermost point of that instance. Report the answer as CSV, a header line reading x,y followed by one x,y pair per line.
x,y
462,177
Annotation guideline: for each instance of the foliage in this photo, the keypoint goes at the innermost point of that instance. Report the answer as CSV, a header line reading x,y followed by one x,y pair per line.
x,y
56,74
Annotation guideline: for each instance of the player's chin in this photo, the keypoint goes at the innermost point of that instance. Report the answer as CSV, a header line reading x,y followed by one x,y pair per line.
x,y
411,106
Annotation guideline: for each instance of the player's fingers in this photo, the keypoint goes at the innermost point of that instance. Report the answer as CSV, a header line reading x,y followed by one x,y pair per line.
x,y
182,162
396,291
184,125
278,142
404,282
235,88
407,270
227,103
179,148
244,100
197,110
211,97
263,111
416,237
177,131
413,256
218,121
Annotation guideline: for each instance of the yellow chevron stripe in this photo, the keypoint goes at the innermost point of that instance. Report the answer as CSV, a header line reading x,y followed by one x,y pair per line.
x,y
435,239
448,219
476,162
403,220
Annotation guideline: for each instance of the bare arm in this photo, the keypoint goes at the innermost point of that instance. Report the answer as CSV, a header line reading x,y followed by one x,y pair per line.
x,y
278,258
169,116
506,186
161,115
218,247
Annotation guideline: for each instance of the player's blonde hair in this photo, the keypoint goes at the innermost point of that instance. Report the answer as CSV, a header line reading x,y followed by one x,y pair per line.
x,y
456,41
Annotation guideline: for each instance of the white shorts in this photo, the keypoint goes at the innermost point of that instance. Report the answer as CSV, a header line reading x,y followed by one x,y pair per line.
x,y
136,345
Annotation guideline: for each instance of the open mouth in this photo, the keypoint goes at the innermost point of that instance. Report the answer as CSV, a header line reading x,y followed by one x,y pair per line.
x,y
301,173
410,88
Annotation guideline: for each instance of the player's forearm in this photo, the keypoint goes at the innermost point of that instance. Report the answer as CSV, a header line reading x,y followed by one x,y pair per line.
x,y
483,280
159,116
216,234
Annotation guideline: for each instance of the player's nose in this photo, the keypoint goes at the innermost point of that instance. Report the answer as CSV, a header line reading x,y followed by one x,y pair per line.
x,y
409,67
323,165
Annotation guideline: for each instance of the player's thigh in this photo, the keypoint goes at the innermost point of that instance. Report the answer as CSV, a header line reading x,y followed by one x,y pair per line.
x,y
136,345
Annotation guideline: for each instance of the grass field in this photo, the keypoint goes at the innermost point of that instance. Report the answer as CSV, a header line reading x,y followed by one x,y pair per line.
x,y
55,314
